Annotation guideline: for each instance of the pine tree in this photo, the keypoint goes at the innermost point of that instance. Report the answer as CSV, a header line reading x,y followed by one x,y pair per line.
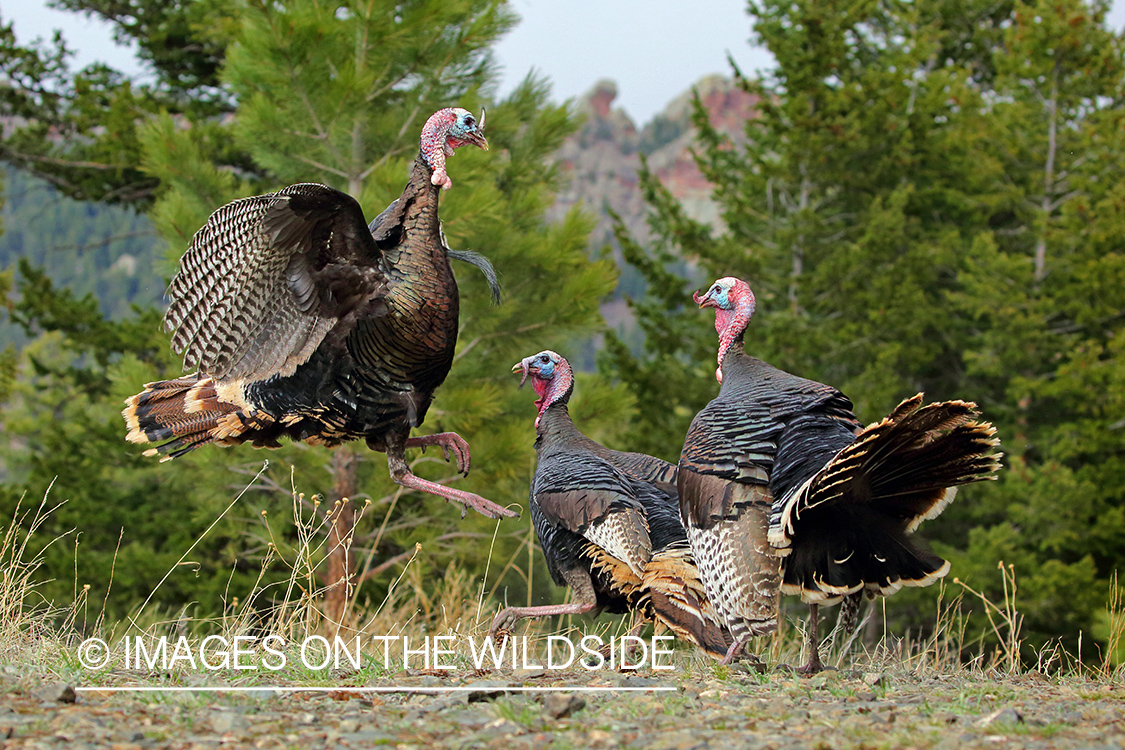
x,y
338,95
926,202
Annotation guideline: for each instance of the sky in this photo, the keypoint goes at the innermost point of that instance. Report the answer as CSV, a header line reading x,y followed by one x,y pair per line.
x,y
653,49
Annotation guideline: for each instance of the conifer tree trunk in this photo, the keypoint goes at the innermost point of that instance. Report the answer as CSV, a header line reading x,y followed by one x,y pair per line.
x,y
341,560
1052,105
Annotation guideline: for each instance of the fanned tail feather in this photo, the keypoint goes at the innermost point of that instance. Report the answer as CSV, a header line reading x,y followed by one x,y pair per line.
x,y
846,528
674,590
185,412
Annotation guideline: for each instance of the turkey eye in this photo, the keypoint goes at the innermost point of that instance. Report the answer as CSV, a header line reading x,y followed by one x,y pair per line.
x,y
469,121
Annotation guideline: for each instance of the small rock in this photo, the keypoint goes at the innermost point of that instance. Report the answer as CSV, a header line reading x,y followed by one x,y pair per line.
x,y
486,690
371,737
601,737
307,718
469,719
502,728
635,681
562,705
1002,716
347,726
528,674
683,740
358,704
748,667
227,721
58,692
866,695
874,679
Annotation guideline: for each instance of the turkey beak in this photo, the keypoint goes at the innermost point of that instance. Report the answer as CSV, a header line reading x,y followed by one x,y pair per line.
x,y
477,136
521,367
477,139
704,301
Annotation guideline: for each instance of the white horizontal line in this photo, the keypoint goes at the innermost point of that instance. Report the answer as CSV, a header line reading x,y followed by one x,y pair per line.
x,y
391,689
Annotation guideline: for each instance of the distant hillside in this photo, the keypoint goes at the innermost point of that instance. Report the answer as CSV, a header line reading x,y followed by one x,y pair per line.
x,y
603,159
604,156
88,247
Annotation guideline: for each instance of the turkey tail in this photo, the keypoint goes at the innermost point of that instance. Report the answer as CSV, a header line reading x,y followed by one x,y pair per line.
x,y
846,528
185,412
673,588
485,266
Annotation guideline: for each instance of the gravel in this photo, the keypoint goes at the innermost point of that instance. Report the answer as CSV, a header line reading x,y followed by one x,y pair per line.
x,y
710,708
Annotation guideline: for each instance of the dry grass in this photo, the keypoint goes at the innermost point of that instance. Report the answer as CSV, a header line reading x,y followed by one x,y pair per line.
x,y
423,602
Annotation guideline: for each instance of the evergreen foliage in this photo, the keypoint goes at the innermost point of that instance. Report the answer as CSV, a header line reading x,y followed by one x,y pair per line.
x,y
335,94
927,206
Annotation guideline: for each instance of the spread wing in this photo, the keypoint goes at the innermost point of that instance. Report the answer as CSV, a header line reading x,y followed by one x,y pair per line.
x,y
267,277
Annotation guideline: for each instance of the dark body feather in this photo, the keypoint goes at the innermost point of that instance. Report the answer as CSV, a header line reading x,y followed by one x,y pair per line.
x,y
742,450
388,309
304,322
609,526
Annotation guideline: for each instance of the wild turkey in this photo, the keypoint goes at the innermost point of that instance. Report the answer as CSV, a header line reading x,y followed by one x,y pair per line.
x,y
304,322
608,523
781,487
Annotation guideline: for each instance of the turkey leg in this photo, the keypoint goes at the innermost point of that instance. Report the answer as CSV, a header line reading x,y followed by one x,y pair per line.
x,y
813,665
585,601
400,472
449,442
733,652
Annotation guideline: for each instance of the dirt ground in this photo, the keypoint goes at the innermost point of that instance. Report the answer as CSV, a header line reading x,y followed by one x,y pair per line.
x,y
708,708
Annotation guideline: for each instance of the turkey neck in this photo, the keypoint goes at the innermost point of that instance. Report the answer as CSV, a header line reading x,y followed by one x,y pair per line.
x,y
735,360
556,433
556,429
422,296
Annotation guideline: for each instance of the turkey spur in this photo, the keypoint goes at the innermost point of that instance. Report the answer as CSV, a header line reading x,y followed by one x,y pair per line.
x,y
304,322
609,524
783,490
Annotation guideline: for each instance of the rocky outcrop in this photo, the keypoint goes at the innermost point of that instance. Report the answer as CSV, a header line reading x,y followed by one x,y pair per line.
x,y
603,157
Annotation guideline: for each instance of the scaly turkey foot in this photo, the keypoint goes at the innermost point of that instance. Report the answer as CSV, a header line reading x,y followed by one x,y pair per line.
x,y
466,499
504,624
750,663
733,652
448,442
812,666
506,621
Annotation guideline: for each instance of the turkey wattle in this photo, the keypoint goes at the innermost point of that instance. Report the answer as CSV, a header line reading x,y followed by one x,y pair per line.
x,y
783,490
304,322
608,523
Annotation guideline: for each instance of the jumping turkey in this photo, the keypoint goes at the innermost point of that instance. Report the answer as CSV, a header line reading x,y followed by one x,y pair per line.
x,y
782,488
609,524
304,322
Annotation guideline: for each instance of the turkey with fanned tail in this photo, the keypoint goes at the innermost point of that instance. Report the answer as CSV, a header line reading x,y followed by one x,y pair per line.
x,y
783,490
304,322
608,523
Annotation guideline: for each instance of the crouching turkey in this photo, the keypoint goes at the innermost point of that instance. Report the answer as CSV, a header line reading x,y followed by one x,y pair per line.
x,y
783,490
608,524
304,322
